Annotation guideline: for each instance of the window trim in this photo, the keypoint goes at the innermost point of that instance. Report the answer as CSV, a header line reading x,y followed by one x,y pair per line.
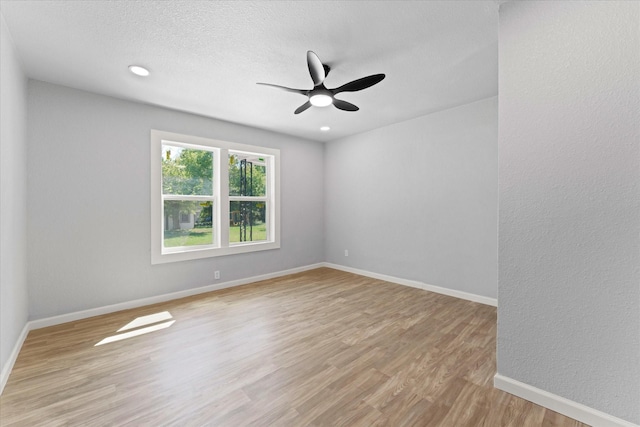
x,y
220,216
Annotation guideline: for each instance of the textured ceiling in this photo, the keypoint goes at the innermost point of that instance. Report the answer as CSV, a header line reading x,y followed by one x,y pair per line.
x,y
205,57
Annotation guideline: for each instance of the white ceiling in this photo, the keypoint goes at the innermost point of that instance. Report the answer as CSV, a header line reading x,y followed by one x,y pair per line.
x,y
206,57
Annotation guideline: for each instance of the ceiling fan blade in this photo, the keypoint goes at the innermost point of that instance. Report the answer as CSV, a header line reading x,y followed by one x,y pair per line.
x,y
359,84
303,107
344,105
316,69
288,89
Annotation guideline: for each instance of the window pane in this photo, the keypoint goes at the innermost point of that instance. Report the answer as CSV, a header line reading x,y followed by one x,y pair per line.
x,y
247,222
187,223
247,175
186,171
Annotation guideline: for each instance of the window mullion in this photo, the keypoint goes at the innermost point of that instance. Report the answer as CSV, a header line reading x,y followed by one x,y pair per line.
x,y
223,197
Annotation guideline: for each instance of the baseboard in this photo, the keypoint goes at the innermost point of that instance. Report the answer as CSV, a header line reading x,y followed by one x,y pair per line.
x,y
78,315
6,369
567,407
415,284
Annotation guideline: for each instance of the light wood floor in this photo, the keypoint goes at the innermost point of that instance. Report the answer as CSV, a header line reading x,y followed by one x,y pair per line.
x,y
320,348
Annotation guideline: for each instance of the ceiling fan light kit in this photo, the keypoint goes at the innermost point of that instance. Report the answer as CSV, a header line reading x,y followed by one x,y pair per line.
x,y
320,95
321,98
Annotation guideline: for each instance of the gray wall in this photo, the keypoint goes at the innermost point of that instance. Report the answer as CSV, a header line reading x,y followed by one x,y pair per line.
x,y
569,219
13,199
88,202
418,200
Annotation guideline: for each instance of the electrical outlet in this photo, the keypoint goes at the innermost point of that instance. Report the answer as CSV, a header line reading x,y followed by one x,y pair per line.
x,y
346,252
216,274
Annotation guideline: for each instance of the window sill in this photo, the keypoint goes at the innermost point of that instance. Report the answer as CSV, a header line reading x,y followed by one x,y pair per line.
x,y
197,253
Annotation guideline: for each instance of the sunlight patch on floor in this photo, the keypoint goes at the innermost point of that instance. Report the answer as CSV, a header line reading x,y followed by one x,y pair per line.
x,y
146,320
139,327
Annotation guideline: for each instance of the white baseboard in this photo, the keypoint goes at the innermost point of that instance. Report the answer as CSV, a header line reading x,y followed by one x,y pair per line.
x,y
577,411
70,317
78,315
6,369
415,284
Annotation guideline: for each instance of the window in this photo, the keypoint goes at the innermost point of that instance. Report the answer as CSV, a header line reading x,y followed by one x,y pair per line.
x,y
247,197
211,198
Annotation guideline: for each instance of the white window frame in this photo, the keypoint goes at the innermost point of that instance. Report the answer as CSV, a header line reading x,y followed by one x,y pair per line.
x,y
220,199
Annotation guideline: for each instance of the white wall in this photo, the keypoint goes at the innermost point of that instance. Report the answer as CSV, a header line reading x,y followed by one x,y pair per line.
x,y
89,202
13,199
569,219
418,200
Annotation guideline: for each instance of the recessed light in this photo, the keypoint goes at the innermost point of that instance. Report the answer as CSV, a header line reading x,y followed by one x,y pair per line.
x,y
138,70
325,128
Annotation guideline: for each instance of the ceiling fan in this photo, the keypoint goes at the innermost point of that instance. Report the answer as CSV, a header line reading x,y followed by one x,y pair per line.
x,y
320,95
